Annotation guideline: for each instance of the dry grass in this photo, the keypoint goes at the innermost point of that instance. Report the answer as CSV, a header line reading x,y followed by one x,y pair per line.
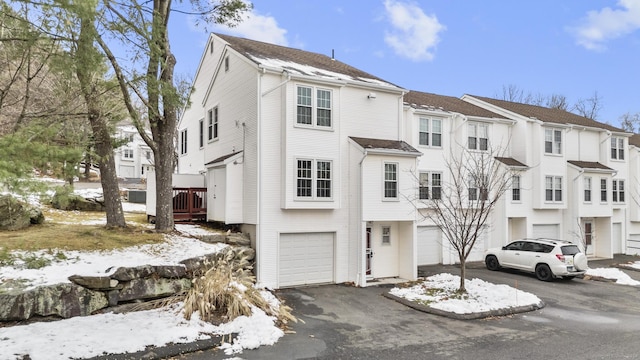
x,y
74,230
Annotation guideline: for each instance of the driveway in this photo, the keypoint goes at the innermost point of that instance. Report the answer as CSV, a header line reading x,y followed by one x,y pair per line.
x,y
583,319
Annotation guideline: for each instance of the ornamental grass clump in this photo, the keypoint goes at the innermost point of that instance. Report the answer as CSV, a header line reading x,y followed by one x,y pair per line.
x,y
226,290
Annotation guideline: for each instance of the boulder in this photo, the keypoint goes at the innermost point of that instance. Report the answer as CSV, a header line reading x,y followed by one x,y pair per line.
x,y
94,282
152,288
65,199
60,300
17,215
144,271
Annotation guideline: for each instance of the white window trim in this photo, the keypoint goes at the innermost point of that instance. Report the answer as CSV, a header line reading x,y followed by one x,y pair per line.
x,y
477,126
314,108
554,151
384,181
213,124
606,191
183,142
201,133
125,151
615,191
429,185
314,180
618,148
554,188
385,239
588,186
430,132
519,188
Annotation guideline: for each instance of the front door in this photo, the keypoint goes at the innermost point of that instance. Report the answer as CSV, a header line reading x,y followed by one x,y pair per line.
x,y
588,238
369,252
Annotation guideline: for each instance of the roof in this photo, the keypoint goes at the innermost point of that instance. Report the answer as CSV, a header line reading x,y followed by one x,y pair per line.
x,y
223,158
548,115
510,162
635,140
381,144
589,165
300,62
428,101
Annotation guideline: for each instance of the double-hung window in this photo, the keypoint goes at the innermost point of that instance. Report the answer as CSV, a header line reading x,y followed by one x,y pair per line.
x,y
617,148
617,191
553,141
553,188
183,142
314,107
477,191
478,136
515,188
212,124
390,181
430,132
587,189
430,186
127,153
314,179
201,133
603,190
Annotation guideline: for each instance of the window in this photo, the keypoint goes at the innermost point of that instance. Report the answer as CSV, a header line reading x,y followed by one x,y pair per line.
x,y
617,148
305,111
183,142
386,235
515,188
430,132
226,64
553,188
201,133
212,124
617,191
211,47
430,186
587,189
477,192
127,153
390,181
306,178
478,136
603,190
552,141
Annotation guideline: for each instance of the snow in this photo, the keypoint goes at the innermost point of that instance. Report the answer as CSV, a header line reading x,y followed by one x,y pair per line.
x,y
481,295
615,274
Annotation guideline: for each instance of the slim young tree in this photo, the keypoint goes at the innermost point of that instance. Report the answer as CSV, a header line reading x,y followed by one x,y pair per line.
x,y
462,206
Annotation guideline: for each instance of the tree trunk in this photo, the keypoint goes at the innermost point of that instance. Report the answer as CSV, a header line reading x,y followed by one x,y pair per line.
x,y
463,273
163,159
87,164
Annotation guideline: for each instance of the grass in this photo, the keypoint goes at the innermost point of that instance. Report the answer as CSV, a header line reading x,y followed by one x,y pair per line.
x,y
74,230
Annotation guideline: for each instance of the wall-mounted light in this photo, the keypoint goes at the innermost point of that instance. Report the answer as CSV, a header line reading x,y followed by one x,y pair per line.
x,y
371,95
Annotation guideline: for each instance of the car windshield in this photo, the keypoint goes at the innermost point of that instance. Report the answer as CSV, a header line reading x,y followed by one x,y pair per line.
x,y
570,250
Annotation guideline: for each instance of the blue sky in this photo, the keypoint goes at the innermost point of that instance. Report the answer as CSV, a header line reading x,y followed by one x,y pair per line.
x,y
573,48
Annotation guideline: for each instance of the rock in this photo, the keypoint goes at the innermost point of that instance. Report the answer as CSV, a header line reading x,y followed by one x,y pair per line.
x,y
17,215
65,199
61,300
94,282
144,271
238,240
152,288
214,238
200,262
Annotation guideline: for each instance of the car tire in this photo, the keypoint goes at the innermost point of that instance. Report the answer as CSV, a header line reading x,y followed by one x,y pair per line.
x,y
543,272
492,263
580,262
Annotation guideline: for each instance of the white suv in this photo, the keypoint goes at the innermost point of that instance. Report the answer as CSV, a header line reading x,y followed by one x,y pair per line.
x,y
546,258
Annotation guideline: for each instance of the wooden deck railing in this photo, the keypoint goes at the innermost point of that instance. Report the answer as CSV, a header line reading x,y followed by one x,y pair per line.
x,y
189,204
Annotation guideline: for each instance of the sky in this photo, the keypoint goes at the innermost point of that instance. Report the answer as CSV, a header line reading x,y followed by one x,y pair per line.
x,y
573,48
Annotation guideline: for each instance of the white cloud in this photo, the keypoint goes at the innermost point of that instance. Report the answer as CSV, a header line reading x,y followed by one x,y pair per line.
x,y
415,34
600,26
258,27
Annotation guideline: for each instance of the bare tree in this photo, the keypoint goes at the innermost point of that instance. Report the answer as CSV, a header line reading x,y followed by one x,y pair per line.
x,y
461,210
590,107
630,122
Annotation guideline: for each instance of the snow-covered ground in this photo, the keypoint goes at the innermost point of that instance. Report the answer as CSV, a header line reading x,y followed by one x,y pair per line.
x,y
90,336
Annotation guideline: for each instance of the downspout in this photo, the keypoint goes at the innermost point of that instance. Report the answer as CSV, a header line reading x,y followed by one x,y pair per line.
x,y
360,277
577,204
259,185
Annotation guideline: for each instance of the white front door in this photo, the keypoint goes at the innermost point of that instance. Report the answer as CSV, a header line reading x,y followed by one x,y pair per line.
x,y
589,240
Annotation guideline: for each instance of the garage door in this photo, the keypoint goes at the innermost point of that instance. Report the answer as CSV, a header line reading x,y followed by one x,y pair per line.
x,y
429,245
126,171
306,258
633,244
549,231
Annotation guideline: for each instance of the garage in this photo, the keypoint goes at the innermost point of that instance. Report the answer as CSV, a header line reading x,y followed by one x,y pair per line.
x,y
306,258
126,171
429,245
549,231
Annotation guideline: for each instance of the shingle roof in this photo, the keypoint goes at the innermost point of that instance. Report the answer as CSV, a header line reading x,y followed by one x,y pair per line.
x,y
635,140
589,165
223,158
299,61
544,114
418,100
510,162
382,144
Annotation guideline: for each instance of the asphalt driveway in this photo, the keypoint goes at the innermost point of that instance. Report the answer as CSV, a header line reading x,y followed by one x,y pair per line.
x,y
583,319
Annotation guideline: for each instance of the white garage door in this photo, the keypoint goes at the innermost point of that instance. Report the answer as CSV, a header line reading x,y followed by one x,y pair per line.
x,y
306,258
633,244
126,171
429,245
616,238
549,231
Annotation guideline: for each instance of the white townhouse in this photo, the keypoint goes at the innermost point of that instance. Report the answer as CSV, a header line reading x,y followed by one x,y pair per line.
x,y
134,159
632,246
441,127
576,181
306,155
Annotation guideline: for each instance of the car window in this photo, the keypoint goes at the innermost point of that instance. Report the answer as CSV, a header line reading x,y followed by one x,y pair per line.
x,y
516,245
527,246
569,249
537,247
